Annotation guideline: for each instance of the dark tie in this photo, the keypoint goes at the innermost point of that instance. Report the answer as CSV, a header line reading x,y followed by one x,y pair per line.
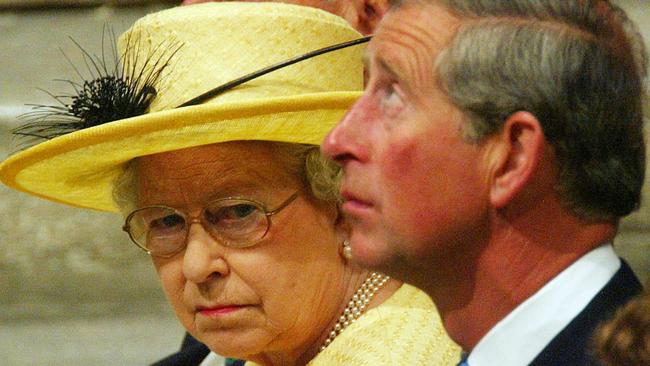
x,y
463,359
233,362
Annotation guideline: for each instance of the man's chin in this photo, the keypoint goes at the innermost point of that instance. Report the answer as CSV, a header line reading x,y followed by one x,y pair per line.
x,y
371,252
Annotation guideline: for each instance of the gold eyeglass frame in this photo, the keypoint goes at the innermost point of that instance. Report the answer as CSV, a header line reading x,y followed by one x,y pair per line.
x,y
199,219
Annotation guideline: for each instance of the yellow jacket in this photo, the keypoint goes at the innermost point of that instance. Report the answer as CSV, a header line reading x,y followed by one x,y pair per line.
x,y
405,330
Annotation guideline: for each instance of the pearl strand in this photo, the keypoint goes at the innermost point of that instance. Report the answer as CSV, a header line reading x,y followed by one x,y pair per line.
x,y
357,305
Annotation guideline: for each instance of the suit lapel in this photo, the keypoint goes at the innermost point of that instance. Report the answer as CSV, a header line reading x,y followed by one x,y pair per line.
x,y
572,345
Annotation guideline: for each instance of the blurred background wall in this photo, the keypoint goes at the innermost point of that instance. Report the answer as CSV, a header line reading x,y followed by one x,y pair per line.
x,y
73,289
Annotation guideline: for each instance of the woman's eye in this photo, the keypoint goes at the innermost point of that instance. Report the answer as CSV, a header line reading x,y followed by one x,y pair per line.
x,y
232,213
240,211
167,222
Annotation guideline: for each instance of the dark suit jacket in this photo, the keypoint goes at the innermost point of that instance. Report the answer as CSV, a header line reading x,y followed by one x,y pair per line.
x,y
572,346
192,353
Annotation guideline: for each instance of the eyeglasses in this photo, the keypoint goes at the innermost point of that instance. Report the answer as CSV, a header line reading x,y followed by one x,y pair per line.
x,y
235,222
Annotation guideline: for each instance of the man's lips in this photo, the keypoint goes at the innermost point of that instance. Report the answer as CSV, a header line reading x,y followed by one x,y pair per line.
x,y
353,204
348,195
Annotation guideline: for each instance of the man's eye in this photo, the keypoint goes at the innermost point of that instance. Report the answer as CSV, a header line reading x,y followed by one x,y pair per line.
x,y
391,99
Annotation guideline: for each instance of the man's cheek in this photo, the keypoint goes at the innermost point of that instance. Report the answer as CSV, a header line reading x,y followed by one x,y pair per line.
x,y
400,163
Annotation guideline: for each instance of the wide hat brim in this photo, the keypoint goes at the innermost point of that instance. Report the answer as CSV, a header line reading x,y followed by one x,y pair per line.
x,y
205,46
80,168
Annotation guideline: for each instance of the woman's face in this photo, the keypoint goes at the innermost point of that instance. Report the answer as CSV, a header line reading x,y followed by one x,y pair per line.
x,y
275,298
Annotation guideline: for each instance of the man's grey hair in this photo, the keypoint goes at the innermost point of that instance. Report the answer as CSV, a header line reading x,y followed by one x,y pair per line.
x,y
578,66
319,174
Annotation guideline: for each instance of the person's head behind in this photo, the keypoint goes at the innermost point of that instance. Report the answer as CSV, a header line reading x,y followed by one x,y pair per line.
x,y
625,339
363,15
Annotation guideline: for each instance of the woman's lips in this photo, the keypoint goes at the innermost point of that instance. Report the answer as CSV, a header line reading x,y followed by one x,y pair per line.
x,y
220,310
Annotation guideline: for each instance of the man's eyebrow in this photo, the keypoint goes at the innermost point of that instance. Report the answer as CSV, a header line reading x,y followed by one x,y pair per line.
x,y
388,68
382,64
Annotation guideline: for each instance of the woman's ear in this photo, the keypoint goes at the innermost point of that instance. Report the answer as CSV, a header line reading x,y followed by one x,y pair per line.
x,y
514,157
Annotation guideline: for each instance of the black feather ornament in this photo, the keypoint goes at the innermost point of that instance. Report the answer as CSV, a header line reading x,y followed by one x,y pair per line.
x,y
122,89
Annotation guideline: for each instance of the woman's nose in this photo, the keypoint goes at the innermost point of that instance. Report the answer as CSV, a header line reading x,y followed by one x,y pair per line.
x,y
204,256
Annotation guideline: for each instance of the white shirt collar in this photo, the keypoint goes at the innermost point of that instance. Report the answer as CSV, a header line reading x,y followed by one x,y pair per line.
x,y
519,337
213,360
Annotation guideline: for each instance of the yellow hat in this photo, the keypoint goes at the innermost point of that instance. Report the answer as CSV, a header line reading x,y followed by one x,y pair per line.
x,y
201,47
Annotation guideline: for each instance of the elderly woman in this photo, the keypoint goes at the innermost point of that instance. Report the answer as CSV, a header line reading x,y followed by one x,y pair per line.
x,y
226,189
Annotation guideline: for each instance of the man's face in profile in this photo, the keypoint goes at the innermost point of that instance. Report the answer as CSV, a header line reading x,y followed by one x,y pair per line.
x,y
361,14
412,187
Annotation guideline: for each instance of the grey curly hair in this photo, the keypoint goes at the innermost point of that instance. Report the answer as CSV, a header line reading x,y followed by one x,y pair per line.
x,y
317,172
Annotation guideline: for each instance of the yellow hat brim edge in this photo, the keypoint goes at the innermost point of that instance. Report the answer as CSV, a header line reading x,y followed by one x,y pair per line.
x,y
297,119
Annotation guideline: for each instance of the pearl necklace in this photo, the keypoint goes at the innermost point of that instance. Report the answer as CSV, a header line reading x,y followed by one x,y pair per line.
x,y
357,304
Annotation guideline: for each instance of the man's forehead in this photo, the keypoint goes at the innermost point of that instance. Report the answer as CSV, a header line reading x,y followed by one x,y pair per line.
x,y
420,27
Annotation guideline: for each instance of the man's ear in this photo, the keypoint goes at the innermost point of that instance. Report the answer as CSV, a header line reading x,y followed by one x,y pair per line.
x,y
516,155
371,14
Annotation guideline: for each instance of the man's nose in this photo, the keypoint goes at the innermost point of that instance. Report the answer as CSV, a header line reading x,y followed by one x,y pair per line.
x,y
346,141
